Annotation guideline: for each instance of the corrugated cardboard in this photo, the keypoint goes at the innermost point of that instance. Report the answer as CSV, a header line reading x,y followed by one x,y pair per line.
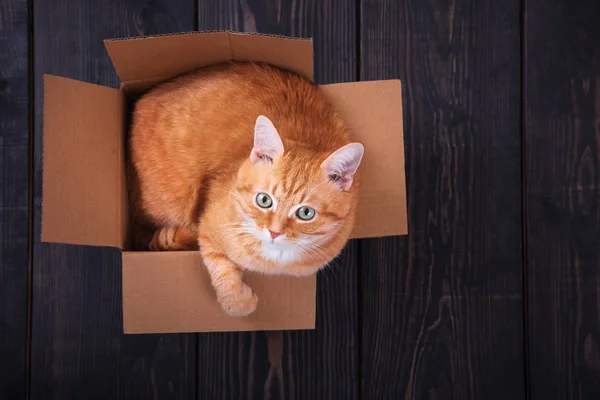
x,y
372,112
158,284
83,159
143,62
84,195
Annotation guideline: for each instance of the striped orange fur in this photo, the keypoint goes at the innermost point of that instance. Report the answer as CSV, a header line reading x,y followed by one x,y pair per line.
x,y
251,164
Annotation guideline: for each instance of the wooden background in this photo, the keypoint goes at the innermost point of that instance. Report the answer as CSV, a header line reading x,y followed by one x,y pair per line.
x,y
495,293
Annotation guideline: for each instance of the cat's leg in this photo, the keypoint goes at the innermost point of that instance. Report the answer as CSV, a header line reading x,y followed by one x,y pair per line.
x,y
174,238
236,298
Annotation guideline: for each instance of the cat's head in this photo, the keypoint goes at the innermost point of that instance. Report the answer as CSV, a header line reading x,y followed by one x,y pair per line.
x,y
295,205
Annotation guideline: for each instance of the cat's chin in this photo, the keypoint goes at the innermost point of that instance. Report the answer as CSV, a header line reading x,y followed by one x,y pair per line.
x,y
281,252
288,258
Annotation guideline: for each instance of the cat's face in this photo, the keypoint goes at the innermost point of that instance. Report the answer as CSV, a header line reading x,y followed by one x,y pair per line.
x,y
296,206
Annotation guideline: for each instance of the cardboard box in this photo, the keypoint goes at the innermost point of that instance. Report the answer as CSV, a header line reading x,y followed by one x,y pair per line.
x,y
84,185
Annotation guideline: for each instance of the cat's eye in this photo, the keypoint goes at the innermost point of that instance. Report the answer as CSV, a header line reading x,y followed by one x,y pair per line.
x,y
305,213
264,200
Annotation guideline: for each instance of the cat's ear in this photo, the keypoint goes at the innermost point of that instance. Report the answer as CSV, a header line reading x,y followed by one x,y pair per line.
x,y
267,143
341,166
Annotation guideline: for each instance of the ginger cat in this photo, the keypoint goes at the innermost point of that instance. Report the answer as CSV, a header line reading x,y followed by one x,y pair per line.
x,y
250,163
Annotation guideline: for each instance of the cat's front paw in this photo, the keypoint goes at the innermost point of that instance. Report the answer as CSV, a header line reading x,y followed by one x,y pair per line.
x,y
240,302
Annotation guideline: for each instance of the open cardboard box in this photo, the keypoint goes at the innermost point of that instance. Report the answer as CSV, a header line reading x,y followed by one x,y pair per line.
x,y
84,186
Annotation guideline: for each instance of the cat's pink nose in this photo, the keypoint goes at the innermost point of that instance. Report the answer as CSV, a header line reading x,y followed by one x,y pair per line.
x,y
274,234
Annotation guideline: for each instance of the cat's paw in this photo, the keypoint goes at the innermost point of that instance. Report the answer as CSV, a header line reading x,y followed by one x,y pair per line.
x,y
174,238
239,303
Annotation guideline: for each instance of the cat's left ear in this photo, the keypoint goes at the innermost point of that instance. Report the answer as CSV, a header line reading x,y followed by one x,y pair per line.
x,y
341,166
267,143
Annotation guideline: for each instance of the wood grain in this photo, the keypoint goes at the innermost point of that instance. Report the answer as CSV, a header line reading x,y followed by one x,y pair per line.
x,y
14,197
562,166
304,364
78,348
331,24
442,309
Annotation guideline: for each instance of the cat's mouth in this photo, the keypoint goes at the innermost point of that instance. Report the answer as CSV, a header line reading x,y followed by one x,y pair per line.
x,y
280,252
277,243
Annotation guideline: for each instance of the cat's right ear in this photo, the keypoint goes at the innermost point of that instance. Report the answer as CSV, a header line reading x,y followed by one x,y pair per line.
x,y
267,143
341,166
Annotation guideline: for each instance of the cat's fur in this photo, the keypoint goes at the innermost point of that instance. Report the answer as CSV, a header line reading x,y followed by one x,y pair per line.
x,y
202,147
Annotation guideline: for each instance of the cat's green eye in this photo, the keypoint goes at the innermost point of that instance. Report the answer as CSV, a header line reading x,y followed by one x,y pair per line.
x,y
305,213
264,200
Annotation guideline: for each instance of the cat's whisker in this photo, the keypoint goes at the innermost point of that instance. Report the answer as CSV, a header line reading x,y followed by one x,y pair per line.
x,y
321,250
333,267
325,271
315,247
319,254
306,252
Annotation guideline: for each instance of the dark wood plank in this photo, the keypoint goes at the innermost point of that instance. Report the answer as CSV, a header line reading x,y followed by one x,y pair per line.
x,y
14,197
303,364
442,308
562,165
78,348
331,24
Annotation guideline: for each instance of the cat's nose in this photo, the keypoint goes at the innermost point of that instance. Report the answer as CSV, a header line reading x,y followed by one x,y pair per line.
x,y
274,234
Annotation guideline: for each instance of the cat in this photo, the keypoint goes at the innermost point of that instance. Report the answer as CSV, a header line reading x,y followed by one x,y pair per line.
x,y
249,164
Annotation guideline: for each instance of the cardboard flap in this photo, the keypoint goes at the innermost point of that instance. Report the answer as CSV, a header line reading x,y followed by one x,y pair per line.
x,y
373,113
144,61
171,292
293,54
83,163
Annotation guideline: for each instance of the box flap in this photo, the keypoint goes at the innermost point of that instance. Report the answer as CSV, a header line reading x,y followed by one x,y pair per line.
x,y
294,54
373,112
171,292
144,61
83,163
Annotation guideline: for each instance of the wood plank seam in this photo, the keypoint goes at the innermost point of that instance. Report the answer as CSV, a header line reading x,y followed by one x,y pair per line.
x,y
526,364
31,184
